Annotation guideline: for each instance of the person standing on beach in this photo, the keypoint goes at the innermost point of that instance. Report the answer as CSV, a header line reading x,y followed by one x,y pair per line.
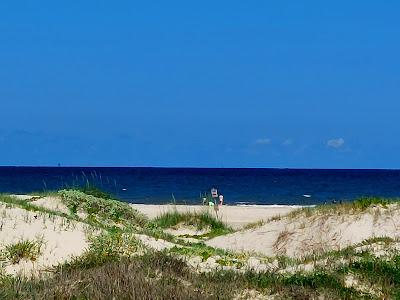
x,y
221,200
214,196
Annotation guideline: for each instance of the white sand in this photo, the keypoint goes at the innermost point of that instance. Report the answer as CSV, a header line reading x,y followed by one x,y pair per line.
x,y
235,216
52,203
155,244
62,238
301,235
186,230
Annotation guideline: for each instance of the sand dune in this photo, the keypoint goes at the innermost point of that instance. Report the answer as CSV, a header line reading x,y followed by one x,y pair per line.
x,y
52,203
60,238
282,232
302,234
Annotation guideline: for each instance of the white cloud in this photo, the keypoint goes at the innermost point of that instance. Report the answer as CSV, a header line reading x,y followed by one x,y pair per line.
x,y
263,141
287,142
335,143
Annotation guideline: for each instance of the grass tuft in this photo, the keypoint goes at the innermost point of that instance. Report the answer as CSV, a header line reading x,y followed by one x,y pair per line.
x,y
24,249
254,225
202,220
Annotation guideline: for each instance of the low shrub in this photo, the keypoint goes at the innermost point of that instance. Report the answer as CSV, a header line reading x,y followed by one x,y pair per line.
x,y
95,191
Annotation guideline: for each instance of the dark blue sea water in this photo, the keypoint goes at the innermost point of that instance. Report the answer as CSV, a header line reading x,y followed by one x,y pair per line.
x,y
250,186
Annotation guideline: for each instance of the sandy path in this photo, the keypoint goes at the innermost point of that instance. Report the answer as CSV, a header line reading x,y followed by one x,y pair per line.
x,y
235,216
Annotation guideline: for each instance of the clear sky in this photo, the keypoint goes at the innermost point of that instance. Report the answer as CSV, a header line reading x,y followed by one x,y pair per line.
x,y
312,84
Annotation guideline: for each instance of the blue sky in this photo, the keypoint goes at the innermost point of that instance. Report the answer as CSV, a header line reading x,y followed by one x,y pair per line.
x,y
310,84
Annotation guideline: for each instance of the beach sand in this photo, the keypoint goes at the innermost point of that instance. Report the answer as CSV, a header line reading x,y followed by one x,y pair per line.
x,y
301,234
293,235
60,238
234,216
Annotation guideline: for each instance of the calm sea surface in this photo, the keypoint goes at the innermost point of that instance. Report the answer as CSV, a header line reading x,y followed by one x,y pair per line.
x,y
239,186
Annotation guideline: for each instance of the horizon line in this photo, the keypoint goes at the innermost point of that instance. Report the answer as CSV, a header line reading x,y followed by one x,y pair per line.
x,y
189,167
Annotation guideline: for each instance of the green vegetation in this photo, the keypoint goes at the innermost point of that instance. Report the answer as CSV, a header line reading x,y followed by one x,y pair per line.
x,y
159,275
201,221
24,249
199,249
106,247
365,202
359,205
101,210
90,189
254,225
27,205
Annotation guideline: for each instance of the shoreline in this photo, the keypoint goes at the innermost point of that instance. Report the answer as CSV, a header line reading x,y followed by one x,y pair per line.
x,y
225,205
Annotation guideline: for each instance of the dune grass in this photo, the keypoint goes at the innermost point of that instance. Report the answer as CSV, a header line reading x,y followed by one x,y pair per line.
x,y
100,209
27,205
159,275
254,225
91,189
356,206
108,246
24,249
199,220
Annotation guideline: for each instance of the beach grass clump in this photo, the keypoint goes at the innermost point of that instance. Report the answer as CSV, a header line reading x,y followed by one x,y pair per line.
x,y
105,247
151,276
203,251
254,225
24,249
199,220
115,243
351,207
200,250
101,209
365,202
378,271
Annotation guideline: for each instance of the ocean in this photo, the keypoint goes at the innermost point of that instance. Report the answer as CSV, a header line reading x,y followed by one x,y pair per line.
x,y
185,185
